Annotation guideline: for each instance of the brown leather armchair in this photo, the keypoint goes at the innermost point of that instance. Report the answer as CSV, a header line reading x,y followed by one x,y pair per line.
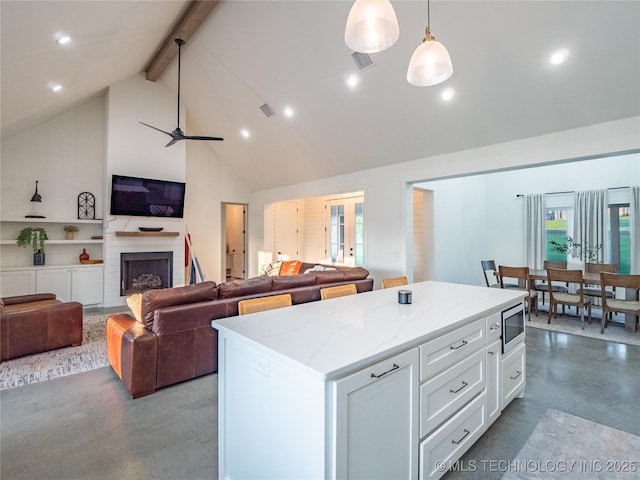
x,y
38,323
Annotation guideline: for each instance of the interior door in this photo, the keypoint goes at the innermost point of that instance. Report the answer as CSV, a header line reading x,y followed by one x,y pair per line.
x,y
236,215
345,230
286,231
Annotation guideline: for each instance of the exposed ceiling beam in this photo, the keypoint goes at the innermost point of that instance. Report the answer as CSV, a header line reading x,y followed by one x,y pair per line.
x,y
193,16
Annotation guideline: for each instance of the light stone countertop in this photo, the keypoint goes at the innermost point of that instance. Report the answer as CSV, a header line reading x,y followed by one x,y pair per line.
x,y
332,337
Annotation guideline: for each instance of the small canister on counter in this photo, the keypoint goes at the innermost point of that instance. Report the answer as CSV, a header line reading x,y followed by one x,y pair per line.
x,y
404,296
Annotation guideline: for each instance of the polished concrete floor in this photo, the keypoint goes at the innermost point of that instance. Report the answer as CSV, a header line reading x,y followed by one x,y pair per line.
x,y
85,426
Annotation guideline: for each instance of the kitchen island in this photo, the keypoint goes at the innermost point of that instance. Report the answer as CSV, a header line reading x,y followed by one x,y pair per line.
x,y
362,386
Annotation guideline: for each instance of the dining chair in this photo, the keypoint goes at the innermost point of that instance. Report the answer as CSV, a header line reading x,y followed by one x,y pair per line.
x,y
490,273
261,304
595,291
338,291
543,286
578,300
521,275
626,306
394,282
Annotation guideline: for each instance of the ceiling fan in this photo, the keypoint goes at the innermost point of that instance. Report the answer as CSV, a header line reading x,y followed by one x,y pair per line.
x,y
178,134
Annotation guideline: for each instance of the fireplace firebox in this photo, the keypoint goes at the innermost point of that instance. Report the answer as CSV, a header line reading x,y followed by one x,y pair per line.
x,y
142,271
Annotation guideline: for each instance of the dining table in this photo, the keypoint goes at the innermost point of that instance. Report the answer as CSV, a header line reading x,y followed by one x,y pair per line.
x,y
591,279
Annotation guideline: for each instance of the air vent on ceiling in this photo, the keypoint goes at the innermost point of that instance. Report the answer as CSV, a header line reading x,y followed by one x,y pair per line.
x,y
266,109
363,60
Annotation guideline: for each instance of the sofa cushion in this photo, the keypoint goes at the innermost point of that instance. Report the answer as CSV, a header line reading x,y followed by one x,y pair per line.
x,y
167,297
248,286
292,281
355,273
329,276
30,306
290,267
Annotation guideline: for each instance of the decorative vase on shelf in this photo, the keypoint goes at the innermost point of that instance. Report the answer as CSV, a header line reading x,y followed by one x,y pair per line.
x,y
38,258
69,235
84,256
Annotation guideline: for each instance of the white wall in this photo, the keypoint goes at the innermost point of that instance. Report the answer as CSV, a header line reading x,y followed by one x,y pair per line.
x,y
209,183
66,155
388,195
488,204
136,150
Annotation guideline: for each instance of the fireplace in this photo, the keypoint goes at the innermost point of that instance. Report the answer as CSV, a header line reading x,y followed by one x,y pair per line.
x,y
145,271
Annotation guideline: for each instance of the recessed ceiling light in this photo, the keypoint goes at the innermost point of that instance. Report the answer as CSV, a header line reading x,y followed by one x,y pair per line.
x,y
353,80
54,87
447,94
559,56
62,39
288,111
245,133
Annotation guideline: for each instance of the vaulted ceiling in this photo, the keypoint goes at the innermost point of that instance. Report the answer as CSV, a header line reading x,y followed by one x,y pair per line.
x,y
292,54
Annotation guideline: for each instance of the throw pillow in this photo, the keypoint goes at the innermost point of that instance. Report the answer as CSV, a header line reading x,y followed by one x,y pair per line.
x,y
290,267
274,269
135,304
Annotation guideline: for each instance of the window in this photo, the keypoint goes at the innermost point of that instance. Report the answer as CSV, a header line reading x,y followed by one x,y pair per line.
x,y
619,248
556,230
345,230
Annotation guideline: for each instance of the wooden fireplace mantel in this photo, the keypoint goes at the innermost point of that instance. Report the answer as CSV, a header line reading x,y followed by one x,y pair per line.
x,y
147,234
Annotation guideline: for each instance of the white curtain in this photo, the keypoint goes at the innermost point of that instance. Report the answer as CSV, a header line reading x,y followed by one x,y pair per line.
x,y
634,224
590,220
535,241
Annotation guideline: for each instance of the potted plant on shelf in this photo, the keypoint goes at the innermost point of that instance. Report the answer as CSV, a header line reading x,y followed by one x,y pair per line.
x,y
69,230
34,236
580,252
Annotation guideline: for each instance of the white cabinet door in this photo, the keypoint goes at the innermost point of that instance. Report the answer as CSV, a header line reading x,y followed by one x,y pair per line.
x,y
17,282
87,285
513,374
375,420
54,280
494,384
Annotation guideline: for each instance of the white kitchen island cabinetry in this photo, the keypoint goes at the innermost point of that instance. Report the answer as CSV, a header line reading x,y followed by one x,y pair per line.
x,y
358,386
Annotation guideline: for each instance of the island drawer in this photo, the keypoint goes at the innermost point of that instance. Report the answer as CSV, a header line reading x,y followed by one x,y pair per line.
x,y
449,442
444,394
494,327
440,353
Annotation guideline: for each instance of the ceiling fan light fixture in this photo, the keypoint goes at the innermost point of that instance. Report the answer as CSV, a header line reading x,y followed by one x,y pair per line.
x,y
371,27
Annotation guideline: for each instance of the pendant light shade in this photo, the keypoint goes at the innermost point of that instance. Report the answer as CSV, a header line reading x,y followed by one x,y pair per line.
x,y
430,63
372,26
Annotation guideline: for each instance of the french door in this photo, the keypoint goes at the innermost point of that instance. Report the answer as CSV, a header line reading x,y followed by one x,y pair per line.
x,y
345,230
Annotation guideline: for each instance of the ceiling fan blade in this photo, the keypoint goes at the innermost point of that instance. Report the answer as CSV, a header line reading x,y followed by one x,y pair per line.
x,y
177,134
150,126
194,137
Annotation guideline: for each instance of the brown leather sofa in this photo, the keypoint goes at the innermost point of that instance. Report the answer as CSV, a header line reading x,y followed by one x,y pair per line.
x,y
174,340
38,323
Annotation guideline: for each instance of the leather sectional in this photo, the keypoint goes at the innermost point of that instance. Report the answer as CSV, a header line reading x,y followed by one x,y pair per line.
x,y
173,341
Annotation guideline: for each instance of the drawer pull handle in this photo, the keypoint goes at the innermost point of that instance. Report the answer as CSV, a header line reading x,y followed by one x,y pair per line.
x,y
517,375
464,342
464,384
494,327
466,432
395,367
491,353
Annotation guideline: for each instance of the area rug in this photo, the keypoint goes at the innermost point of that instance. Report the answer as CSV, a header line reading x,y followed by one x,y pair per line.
x,y
566,446
90,355
615,331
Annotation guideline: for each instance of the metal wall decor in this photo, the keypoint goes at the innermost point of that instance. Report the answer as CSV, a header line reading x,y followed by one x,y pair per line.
x,y
86,206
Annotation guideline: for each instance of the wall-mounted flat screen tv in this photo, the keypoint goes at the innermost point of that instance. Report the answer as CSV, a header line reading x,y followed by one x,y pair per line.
x,y
145,197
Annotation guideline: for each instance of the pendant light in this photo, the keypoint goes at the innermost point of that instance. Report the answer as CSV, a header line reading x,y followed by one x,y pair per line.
x,y
372,26
430,63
